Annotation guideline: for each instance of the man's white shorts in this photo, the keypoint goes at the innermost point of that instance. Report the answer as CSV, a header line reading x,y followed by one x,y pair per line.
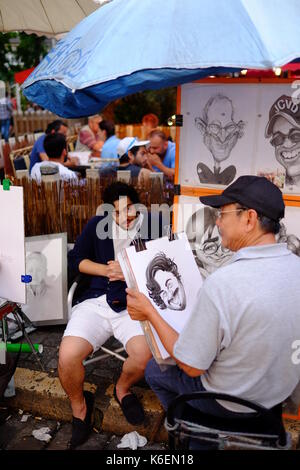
x,y
94,321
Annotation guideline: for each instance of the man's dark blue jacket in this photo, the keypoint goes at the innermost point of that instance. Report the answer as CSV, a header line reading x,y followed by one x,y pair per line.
x,y
101,250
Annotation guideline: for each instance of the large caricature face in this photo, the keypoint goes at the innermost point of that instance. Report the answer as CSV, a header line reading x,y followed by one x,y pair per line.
x,y
220,132
286,140
172,291
205,240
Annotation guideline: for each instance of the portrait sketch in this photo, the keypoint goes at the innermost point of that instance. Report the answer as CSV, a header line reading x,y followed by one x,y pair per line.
x,y
199,223
167,274
218,138
220,134
46,263
283,132
164,283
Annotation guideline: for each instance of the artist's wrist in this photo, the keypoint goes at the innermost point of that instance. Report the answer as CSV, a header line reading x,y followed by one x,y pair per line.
x,y
150,312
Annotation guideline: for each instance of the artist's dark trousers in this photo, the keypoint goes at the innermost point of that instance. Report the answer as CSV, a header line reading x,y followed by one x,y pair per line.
x,y
172,381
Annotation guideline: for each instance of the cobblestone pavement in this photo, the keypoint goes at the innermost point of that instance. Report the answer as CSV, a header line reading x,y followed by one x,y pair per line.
x,y
17,435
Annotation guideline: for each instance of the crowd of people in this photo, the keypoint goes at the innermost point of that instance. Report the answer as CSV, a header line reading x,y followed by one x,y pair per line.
x,y
139,157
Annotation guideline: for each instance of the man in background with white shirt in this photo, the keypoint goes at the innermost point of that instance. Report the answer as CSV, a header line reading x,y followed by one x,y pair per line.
x,y
56,149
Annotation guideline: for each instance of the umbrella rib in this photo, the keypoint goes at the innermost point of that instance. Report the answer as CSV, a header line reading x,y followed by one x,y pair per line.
x,y
80,7
47,17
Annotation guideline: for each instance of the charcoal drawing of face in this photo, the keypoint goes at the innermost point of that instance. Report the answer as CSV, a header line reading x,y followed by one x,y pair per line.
x,y
36,267
220,135
164,284
203,235
292,241
283,129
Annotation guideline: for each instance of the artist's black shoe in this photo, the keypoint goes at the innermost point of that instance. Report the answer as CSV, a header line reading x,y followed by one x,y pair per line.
x,y
81,428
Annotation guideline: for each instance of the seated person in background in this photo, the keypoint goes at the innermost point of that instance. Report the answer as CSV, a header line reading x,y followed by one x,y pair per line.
x,y
149,122
132,157
240,337
38,152
89,137
56,149
111,142
162,154
102,312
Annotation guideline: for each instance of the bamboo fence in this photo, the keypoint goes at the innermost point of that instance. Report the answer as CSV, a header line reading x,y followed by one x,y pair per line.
x,y
66,206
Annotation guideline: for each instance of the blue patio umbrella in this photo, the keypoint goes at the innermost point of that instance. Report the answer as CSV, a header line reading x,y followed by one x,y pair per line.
x,y
132,45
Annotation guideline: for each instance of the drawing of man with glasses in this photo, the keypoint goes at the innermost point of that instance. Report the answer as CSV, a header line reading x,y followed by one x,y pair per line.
x,y
205,240
220,135
284,129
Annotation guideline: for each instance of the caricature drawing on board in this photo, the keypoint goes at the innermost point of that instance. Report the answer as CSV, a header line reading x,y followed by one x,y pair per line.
x,y
220,135
36,267
164,283
284,130
205,240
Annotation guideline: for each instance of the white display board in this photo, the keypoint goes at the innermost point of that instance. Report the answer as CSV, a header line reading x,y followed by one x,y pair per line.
x,y
46,262
231,130
12,245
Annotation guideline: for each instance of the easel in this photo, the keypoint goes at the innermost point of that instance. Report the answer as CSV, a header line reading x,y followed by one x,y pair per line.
x,y
21,320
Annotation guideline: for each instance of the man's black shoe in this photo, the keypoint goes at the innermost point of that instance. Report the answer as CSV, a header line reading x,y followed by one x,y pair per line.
x,y
131,407
82,428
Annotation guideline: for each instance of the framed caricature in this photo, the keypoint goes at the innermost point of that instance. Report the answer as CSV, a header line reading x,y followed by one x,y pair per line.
x,y
232,129
46,262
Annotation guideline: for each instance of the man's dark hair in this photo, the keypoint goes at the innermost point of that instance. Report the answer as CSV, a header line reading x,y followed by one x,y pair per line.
x,y
107,126
113,192
268,225
125,158
54,145
55,126
159,263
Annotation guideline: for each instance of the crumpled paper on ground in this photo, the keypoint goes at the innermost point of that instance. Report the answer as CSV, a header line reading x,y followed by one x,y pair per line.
x,y
132,440
42,434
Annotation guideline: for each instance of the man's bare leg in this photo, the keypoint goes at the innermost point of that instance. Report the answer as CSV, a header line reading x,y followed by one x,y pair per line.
x,y
73,350
133,369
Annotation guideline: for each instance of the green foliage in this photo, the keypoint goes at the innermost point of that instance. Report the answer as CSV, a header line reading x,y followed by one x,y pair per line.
x,y
132,108
27,51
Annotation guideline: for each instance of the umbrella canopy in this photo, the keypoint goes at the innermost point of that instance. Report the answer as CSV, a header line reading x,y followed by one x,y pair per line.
x,y
131,45
43,17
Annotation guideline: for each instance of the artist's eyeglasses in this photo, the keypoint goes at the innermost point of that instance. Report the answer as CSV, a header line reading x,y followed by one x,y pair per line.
x,y
279,137
219,213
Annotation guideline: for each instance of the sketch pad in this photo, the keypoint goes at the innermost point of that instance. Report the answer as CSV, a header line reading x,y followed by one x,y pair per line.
x,y
12,245
134,265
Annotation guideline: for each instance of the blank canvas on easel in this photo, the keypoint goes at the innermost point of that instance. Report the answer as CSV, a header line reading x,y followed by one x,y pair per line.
x,y
12,245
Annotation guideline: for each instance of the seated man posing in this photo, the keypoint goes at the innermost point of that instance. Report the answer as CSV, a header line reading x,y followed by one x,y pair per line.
x,y
240,336
56,150
102,312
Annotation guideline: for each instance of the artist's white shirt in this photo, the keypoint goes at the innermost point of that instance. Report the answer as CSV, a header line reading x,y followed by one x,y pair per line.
x,y
122,238
64,173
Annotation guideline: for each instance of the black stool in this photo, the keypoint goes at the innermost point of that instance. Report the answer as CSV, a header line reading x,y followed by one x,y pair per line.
x,y
190,428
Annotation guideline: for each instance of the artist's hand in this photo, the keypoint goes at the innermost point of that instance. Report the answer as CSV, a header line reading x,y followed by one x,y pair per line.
x,y
114,271
154,160
138,306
